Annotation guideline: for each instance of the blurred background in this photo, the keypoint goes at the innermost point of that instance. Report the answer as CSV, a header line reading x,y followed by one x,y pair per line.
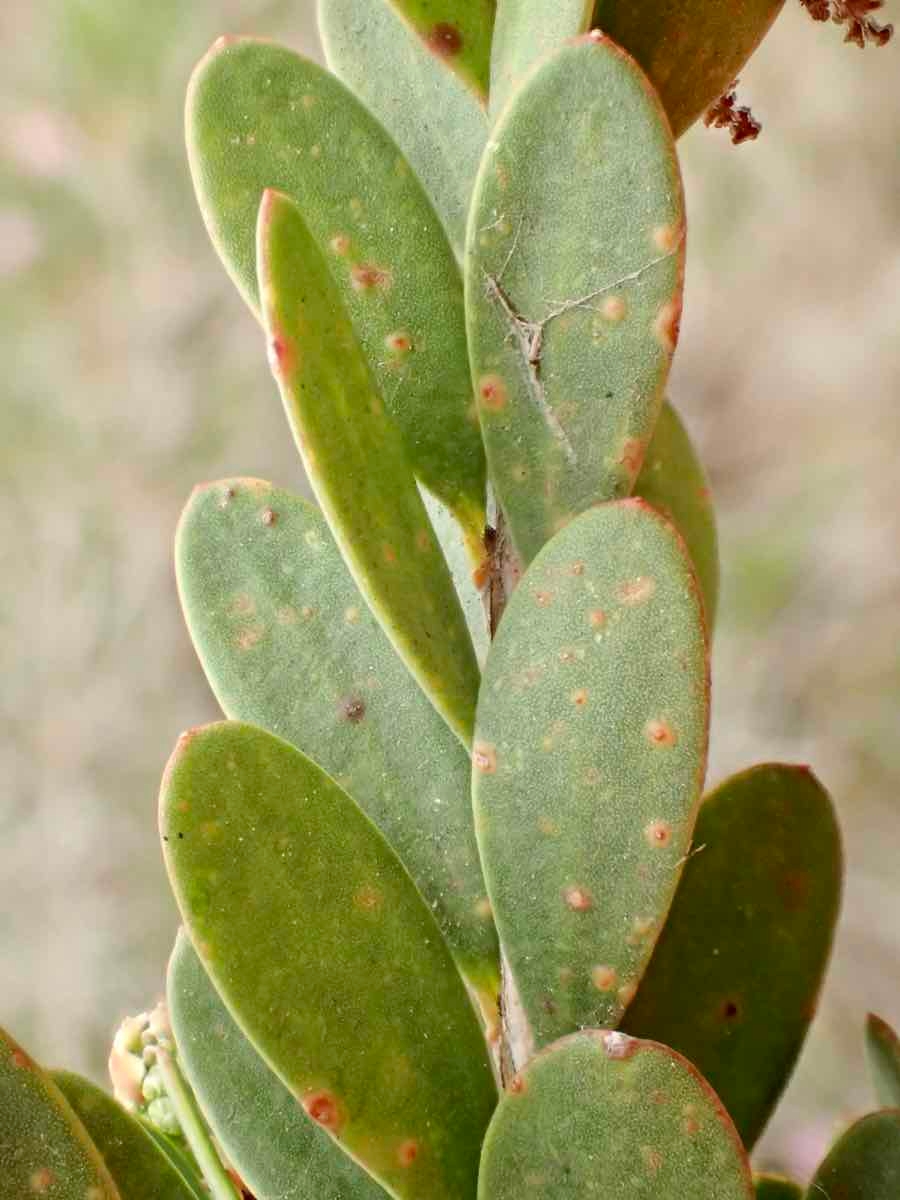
x,y
131,370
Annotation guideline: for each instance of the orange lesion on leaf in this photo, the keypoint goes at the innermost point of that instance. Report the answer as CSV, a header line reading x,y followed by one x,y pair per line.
x,y
578,898
323,1108
407,1152
484,758
366,277
445,40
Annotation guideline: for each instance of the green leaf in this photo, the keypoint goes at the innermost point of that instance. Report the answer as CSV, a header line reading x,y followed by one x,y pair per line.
x,y
693,50
458,32
589,758
776,1187
327,957
672,479
467,582
140,1170
525,31
736,974
278,1152
178,1154
260,116
44,1148
287,643
883,1054
864,1164
574,277
600,1114
356,464
434,118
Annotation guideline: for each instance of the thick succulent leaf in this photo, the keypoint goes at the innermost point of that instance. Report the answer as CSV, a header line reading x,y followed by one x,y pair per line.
x,y
776,1187
355,461
762,888
278,1152
458,32
672,479
260,116
589,757
179,1156
434,118
287,643
526,30
883,1055
327,957
864,1164
468,582
693,50
573,292
600,1114
140,1170
44,1148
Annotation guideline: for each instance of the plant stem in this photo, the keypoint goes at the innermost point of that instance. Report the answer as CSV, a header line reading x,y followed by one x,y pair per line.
x,y
194,1128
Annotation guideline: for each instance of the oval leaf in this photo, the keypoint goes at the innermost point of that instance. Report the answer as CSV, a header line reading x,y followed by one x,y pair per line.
x,y
864,1164
600,1114
693,50
673,481
525,31
44,1148
883,1054
458,32
434,118
140,1170
736,974
589,757
356,464
573,292
776,1187
288,644
260,116
278,1152
328,958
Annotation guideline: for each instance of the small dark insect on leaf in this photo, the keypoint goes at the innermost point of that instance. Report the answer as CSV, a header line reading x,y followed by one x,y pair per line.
x,y
856,16
739,121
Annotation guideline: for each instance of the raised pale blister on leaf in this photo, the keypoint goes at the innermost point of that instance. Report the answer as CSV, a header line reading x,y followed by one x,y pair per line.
x,y
279,1153
357,466
863,1164
458,32
588,761
327,957
736,974
139,1168
44,1148
673,481
692,50
260,116
288,643
600,1114
434,118
574,289
526,30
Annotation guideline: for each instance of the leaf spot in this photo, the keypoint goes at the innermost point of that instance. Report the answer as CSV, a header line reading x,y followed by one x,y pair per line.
x,y
658,834
578,899
445,39
604,978
484,758
323,1108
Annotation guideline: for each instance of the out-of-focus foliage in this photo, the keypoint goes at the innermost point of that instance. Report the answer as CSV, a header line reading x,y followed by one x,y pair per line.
x,y
131,369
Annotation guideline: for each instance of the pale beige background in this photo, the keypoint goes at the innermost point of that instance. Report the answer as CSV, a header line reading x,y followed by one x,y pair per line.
x,y
130,370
